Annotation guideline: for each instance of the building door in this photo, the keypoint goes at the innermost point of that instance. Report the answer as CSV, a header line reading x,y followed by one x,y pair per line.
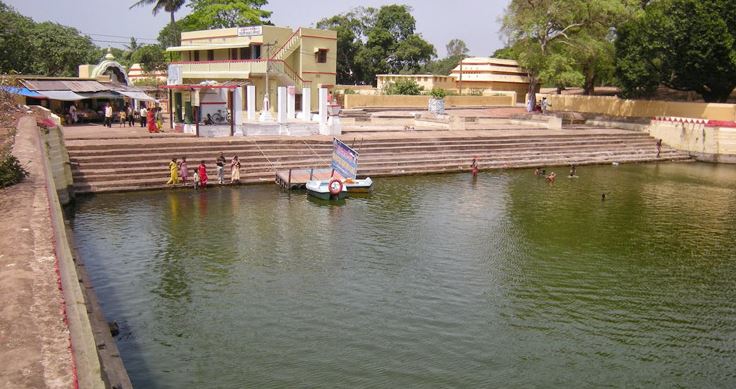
x,y
298,102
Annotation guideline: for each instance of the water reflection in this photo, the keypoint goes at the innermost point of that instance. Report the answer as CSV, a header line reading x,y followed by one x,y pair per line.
x,y
437,281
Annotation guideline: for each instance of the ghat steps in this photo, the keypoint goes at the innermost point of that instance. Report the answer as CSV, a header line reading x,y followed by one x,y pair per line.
x,y
130,164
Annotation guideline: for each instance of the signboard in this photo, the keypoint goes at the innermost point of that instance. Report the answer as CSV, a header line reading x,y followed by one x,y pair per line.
x,y
174,77
344,159
250,31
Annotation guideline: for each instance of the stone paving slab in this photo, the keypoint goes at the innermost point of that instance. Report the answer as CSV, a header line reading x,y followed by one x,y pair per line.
x,y
34,340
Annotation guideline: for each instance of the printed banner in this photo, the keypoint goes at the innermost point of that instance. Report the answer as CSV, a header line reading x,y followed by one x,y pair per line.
x,y
344,159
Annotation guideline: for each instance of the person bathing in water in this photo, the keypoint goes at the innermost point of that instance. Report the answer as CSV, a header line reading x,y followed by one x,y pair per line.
x,y
551,177
573,171
474,166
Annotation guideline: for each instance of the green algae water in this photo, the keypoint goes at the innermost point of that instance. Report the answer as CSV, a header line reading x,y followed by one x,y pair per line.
x,y
431,282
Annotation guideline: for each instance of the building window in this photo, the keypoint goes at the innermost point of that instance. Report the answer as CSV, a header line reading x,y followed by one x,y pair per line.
x,y
256,52
196,56
321,56
245,53
233,53
210,55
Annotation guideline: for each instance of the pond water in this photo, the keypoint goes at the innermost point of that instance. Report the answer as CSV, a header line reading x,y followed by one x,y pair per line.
x,y
432,281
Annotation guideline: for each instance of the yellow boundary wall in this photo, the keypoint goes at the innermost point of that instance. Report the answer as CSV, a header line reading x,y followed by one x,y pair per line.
x,y
422,102
613,106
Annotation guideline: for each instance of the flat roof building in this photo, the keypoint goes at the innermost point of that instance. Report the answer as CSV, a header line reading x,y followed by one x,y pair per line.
x,y
495,74
214,62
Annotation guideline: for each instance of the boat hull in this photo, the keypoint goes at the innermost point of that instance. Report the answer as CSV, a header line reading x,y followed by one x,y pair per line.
x,y
320,189
360,185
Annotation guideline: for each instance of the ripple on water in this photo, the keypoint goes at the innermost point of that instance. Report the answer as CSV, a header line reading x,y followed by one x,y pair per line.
x,y
438,281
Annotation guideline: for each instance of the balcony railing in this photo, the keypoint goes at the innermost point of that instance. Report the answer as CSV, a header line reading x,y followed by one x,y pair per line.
x,y
237,68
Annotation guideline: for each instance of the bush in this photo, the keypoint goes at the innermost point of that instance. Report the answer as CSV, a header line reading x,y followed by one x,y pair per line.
x,y
403,87
11,171
349,92
438,93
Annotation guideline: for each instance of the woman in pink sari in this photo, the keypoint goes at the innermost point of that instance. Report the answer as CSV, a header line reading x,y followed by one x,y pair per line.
x,y
202,175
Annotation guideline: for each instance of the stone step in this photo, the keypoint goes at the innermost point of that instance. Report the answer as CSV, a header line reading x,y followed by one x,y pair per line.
x,y
159,182
113,160
157,165
328,148
118,144
378,166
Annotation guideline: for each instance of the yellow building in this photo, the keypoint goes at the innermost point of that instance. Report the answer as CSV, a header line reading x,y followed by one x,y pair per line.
x,y
486,74
426,81
215,63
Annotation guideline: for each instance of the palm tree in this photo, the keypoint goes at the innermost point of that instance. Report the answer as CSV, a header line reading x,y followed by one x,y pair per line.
x,y
169,6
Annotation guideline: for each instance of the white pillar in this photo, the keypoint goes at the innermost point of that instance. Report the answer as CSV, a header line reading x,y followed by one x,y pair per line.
x,y
306,104
237,114
282,114
291,102
251,101
323,128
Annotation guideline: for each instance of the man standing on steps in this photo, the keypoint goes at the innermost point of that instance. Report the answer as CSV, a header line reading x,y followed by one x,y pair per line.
x,y
144,116
659,146
221,169
108,115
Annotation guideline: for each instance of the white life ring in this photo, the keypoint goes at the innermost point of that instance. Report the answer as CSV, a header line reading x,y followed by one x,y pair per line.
x,y
335,186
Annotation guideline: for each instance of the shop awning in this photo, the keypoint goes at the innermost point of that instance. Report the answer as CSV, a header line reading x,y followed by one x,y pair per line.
x,y
63,95
100,95
137,95
23,91
209,47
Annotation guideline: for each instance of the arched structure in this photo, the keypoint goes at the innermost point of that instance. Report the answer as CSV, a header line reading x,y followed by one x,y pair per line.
x,y
112,68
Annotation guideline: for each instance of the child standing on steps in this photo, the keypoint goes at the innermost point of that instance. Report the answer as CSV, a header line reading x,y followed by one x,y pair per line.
x,y
183,170
196,179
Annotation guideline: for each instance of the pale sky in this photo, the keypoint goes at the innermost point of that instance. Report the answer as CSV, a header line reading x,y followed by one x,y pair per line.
x,y
474,21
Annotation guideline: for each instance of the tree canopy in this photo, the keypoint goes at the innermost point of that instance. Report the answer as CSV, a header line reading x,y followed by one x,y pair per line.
x,y
41,48
373,41
565,42
687,45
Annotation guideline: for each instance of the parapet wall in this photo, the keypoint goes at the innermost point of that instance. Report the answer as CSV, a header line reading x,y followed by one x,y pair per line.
x,y
613,106
710,144
422,102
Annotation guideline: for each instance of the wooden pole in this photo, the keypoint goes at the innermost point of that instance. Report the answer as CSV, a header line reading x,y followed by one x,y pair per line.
x,y
289,187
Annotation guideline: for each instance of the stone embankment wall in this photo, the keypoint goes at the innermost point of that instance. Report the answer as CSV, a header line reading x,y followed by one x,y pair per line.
x,y
422,102
613,106
58,158
709,144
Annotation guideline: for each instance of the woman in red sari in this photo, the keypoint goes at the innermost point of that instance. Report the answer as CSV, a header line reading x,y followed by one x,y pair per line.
x,y
202,175
151,121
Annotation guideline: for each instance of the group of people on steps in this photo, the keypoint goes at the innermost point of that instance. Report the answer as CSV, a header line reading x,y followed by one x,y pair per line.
x,y
179,172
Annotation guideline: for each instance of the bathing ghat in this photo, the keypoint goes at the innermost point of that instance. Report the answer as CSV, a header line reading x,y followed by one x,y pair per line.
x,y
126,164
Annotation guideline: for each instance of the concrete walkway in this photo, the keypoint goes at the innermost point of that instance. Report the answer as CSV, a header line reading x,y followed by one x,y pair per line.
x,y
34,339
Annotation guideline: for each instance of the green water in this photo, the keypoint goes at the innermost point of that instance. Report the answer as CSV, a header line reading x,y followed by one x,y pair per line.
x,y
431,282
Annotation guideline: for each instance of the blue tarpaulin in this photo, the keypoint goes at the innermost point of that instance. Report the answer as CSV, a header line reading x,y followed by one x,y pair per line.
x,y
23,91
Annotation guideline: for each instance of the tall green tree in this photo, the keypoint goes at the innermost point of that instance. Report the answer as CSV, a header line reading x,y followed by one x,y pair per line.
x,y
533,26
210,14
687,45
151,57
377,41
565,42
349,27
456,51
15,31
170,6
456,48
